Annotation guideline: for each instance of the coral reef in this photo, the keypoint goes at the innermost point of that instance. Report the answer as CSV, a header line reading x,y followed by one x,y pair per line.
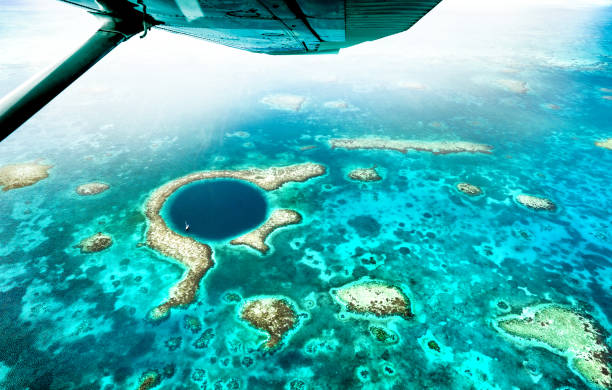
x,y
374,297
193,324
383,335
92,188
435,147
365,174
284,102
566,332
22,175
275,316
149,379
536,203
95,243
196,256
205,338
256,238
173,343
605,143
469,189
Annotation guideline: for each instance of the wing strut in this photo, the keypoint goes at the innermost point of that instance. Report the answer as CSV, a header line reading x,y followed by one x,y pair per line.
x,y
19,105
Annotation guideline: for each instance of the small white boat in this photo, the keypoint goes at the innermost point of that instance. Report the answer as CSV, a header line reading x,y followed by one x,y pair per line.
x,y
186,226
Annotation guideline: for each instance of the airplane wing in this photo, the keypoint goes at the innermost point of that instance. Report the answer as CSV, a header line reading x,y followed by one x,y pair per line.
x,y
282,26
261,26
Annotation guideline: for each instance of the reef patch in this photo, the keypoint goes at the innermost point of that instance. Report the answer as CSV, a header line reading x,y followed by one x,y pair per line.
x,y
275,316
365,174
565,332
373,297
469,189
435,147
95,243
515,86
92,188
285,102
256,238
536,202
14,176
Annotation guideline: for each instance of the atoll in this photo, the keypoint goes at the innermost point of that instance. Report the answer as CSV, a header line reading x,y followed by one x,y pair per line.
x,y
284,102
536,203
374,297
566,332
256,238
606,143
22,175
275,316
95,243
194,255
469,189
365,174
92,188
435,147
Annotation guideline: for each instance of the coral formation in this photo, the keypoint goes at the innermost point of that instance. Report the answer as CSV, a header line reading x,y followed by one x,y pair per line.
x,y
205,338
469,189
605,143
365,174
193,324
256,238
149,379
92,188
196,256
374,297
435,147
383,335
95,243
536,202
433,345
566,332
275,316
22,175
284,102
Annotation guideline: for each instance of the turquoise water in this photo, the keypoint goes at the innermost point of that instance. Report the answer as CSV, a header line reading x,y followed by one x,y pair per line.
x,y
70,320
216,209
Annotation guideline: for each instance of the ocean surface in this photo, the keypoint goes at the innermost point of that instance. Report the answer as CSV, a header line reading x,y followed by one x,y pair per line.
x,y
158,108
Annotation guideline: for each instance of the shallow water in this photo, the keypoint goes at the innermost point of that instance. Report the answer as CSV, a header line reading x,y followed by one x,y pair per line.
x,y
74,320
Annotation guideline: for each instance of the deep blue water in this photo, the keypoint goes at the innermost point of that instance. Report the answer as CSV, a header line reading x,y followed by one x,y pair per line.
x,y
216,209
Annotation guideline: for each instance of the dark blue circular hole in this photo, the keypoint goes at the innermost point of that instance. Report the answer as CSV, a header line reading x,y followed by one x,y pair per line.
x,y
216,209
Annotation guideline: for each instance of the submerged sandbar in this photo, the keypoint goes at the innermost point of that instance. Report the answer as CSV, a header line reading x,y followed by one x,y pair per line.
x,y
435,147
194,255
